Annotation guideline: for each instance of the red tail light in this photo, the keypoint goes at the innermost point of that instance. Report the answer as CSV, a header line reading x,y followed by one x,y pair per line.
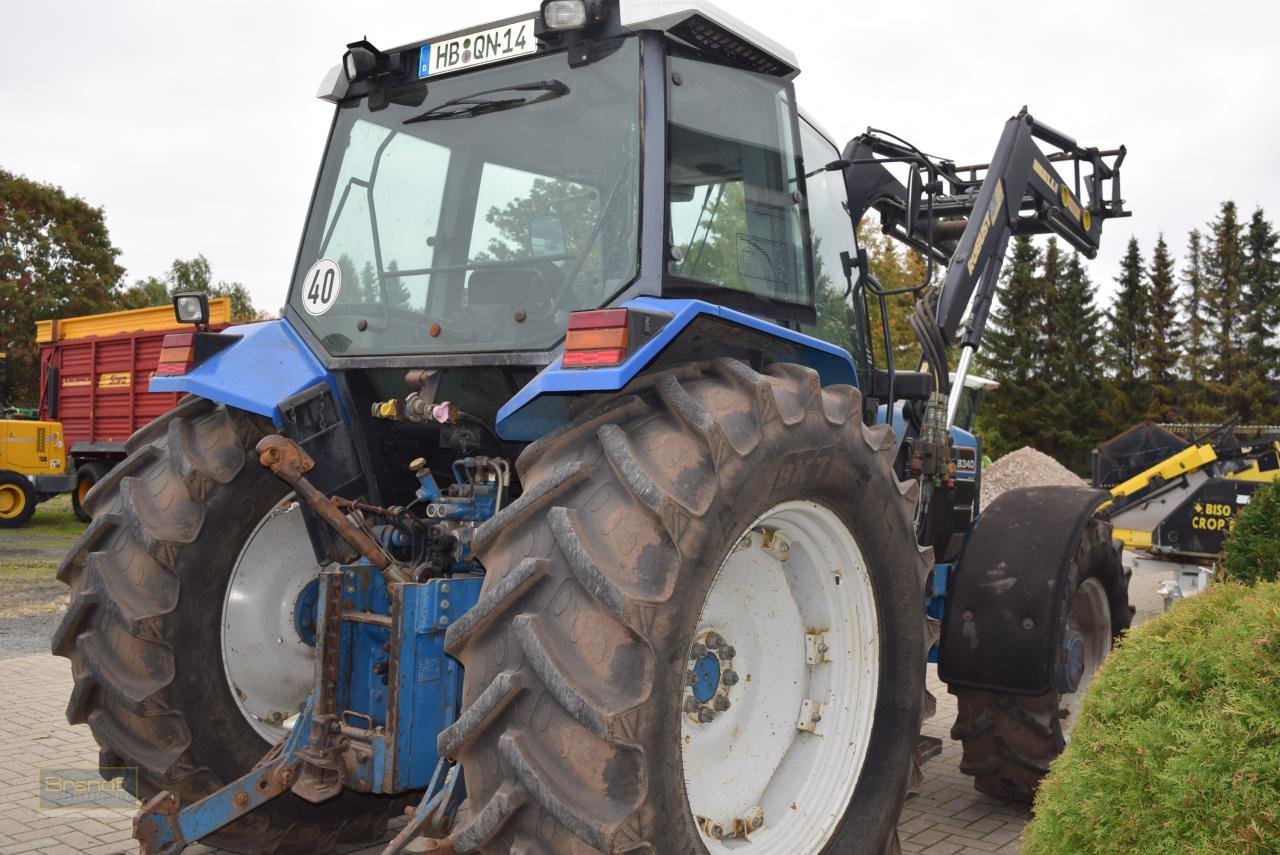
x,y
596,339
177,352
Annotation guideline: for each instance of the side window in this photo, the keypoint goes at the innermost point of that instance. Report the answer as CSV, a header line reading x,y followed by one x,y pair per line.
x,y
842,316
731,181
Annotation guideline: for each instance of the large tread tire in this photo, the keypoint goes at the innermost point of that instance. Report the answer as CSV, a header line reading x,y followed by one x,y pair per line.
x,y
87,477
1010,740
147,578
575,654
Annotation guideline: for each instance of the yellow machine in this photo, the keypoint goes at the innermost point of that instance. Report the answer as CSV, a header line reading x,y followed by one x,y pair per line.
x,y
1175,515
33,466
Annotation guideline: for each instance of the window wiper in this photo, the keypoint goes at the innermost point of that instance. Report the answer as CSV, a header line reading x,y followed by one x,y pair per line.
x,y
476,105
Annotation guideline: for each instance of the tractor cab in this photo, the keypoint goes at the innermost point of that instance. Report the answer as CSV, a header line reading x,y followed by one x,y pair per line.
x,y
480,187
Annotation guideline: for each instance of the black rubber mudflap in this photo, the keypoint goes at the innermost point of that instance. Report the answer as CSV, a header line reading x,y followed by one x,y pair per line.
x,y
1004,607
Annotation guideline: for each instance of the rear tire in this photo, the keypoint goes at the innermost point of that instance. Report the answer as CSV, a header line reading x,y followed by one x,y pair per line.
x,y
17,500
86,477
577,653
1010,740
148,579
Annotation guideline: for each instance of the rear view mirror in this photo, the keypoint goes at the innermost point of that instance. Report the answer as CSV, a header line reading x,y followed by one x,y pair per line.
x,y
547,237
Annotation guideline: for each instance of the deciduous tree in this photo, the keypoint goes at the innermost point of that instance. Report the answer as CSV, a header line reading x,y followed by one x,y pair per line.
x,y
56,261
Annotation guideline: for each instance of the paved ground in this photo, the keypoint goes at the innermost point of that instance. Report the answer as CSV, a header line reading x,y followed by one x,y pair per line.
x,y
947,817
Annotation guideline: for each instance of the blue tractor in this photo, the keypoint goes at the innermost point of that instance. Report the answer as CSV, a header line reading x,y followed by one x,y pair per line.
x,y
566,509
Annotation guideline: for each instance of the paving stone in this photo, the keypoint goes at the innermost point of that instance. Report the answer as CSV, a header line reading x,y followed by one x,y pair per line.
x,y
948,816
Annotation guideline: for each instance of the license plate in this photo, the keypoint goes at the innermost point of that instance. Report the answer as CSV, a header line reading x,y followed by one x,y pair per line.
x,y
480,48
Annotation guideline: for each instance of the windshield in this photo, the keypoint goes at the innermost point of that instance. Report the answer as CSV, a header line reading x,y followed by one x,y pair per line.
x,y
475,213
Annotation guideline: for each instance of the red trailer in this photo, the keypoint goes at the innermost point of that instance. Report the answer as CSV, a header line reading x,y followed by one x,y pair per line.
x,y
94,377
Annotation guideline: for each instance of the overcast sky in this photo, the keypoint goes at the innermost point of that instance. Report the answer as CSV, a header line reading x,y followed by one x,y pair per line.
x,y
195,126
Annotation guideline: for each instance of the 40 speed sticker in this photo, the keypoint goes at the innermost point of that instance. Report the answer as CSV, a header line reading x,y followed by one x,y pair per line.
x,y
320,287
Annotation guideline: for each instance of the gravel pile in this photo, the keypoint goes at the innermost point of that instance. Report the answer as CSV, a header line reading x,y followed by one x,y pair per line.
x,y
1025,467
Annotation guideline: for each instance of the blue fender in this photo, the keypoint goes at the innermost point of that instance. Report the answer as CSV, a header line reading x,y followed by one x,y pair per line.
x,y
269,364
543,405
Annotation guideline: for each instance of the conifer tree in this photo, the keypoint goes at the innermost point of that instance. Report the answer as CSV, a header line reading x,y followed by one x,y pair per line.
x,y
1128,318
1194,403
1011,354
1073,419
1162,348
1262,318
1049,287
1129,328
1224,279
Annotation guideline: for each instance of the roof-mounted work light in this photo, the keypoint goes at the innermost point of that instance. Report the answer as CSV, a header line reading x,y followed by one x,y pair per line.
x,y
562,15
361,60
191,308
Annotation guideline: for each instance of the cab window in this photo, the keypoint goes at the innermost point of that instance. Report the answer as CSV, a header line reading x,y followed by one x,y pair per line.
x,y
735,216
842,315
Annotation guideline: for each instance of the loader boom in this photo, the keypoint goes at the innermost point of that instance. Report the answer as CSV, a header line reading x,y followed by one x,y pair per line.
x,y
964,216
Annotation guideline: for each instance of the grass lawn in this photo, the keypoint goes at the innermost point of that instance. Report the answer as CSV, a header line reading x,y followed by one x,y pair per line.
x,y
29,559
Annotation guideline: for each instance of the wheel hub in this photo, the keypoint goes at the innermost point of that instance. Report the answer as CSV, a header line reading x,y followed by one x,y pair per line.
x,y
11,500
1071,663
268,621
305,613
1087,644
710,677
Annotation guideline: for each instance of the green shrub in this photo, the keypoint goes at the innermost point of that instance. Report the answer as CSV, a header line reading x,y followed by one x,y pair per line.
x,y
1252,553
1177,748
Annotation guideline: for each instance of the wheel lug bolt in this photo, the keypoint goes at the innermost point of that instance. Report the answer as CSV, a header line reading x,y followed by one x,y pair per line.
x,y
721,703
690,678
691,704
697,651
714,640
729,678
705,714
727,652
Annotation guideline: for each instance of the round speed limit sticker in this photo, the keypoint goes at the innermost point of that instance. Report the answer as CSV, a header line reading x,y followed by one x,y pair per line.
x,y
321,286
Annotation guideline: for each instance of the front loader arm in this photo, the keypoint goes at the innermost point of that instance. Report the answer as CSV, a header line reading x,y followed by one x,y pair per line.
x,y
964,216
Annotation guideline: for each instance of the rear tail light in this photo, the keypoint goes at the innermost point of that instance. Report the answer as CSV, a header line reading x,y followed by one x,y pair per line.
x,y
177,354
597,339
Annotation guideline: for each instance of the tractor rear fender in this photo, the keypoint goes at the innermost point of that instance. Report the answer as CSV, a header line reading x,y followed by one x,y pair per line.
x,y
685,331
269,365
1004,621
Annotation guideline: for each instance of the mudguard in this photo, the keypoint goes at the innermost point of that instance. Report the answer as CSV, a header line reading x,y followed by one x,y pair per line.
x,y
268,365
1003,621
695,331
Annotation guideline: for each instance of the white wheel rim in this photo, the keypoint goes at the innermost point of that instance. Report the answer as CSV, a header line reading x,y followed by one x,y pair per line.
x,y
268,666
1090,617
752,761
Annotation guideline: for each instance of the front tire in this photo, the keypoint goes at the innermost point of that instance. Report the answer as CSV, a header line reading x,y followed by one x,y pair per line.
x,y
1010,740
148,581
596,606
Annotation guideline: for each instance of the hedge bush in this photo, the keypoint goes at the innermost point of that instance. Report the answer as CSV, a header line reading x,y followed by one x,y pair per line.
x,y
1177,748
1252,553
